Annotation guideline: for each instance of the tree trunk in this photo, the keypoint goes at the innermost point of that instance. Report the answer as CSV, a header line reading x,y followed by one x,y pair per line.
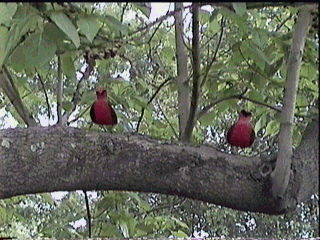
x,y
182,71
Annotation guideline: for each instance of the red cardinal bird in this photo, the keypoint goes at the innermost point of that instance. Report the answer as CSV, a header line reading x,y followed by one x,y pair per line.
x,y
101,111
241,134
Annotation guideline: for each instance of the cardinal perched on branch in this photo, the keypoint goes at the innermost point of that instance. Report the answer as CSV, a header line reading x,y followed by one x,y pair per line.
x,y
241,134
101,111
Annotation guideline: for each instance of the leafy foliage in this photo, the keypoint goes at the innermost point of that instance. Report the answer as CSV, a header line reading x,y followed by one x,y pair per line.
x,y
243,53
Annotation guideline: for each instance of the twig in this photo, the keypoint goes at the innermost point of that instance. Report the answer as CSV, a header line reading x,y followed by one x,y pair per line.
x,y
154,32
76,96
122,13
164,206
59,92
165,117
88,211
239,96
169,14
46,95
79,116
215,54
150,100
283,22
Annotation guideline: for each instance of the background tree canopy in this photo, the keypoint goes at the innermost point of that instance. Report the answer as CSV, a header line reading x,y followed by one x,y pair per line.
x,y
177,84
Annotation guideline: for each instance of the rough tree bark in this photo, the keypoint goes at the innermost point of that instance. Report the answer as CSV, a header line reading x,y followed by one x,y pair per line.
x,y
35,160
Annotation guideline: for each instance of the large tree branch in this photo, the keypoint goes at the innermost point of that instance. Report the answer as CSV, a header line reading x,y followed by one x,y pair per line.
x,y
254,5
35,160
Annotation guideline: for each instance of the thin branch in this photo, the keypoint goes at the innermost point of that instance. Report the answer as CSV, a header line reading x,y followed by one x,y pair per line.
x,y
45,94
164,17
79,116
88,211
215,54
186,136
239,96
164,206
154,32
123,10
59,92
77,96
151,99
165,117
278,109
284,21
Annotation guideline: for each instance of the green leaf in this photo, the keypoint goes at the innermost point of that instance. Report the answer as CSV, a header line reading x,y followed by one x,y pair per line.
x,y
229,91
260,123
3,215
115,25
259,37
272,128
214,26
179,234
18,61
255,95
19,29
144,7
249,50
110,230
68,66
67,106
222,106
207,118
302,101
181,224
54,33
12,8
34,97
140,102
296,136
36,51
4,14
89,25
124,229
214,15
64,23
271,69
168,53
260,55
3,37
308,71
240,8
48,197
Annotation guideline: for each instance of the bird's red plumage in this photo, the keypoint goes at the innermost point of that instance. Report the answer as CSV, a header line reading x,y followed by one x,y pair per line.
x,y
241,134
101,111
